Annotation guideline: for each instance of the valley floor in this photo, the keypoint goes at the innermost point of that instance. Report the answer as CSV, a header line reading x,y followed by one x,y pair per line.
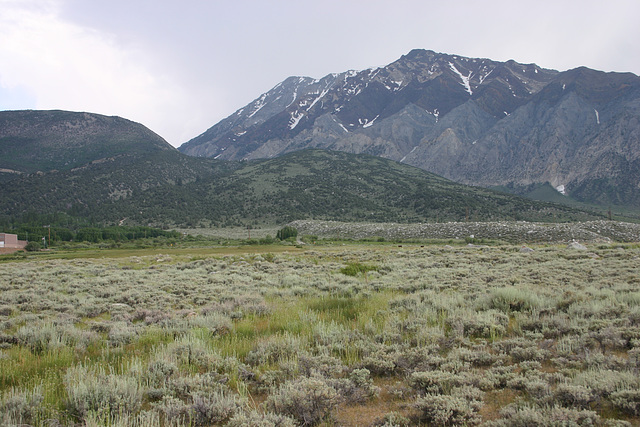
x,y
329,334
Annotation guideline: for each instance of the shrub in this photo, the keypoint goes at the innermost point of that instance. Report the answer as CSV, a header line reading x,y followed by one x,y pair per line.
x,y
327,366
604,382
358,388
380,363
308,400
142,419
39,338
435,381
32,247
573,395
627,401
509,300
213,408
274,349
215,323
392,419
443,410
159,371
519,415
257,419
490,324
476,357
96,391
122,333
20,407
521,354
175,411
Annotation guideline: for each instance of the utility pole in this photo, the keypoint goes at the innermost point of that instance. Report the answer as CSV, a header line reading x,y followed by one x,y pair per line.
x,y
49,227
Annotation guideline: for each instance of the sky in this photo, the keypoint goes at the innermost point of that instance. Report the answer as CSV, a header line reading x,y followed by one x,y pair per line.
x,y
180,66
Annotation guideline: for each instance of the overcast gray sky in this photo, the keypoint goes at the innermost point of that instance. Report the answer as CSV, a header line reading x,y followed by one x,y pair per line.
x,y
180,66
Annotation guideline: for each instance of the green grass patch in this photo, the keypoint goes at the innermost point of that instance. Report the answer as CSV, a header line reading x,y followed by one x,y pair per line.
x,y
355,269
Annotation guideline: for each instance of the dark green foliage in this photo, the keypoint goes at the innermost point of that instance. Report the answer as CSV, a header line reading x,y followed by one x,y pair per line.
x,y
166,188
286,233
63,228
32,247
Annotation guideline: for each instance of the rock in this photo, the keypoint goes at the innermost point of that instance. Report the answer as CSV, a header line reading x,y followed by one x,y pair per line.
x,y
577,246
526,249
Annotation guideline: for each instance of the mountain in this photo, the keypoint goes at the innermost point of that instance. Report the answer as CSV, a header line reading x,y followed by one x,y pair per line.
x,y
81,163
42,141
474,121
131,180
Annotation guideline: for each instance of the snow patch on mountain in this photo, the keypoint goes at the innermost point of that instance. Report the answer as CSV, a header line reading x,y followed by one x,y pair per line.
x,y
465,79
405,157
366,123
484,76
435,113
324,92
295,96
258,105
295,119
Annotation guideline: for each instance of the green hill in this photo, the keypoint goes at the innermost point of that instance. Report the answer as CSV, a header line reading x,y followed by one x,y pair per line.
x,y
42,141
166,188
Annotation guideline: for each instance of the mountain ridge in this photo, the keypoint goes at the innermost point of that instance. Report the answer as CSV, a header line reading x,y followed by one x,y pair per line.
x,y
472,120
132,180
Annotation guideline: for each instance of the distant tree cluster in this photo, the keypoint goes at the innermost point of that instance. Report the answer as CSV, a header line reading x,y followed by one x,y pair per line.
x,y
61,228
286,233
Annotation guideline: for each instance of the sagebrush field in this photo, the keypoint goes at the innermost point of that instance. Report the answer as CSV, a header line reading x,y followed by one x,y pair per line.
x,y
352,335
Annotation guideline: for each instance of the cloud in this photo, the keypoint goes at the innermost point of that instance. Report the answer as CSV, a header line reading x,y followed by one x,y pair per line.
x,y
179,67
66,66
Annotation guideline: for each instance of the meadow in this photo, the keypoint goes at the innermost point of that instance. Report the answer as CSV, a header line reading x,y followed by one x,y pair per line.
x,y
332,334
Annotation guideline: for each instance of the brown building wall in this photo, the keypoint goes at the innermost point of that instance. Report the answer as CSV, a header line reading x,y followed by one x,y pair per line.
x,y
11,241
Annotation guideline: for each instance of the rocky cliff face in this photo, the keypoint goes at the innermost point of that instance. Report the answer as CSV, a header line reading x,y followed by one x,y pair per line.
x,y
475,121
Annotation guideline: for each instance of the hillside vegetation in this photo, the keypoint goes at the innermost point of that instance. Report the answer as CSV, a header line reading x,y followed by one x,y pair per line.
x,y
42,141
167,188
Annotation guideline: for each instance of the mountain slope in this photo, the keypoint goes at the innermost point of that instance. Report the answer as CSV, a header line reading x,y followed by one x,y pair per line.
x,y
470,120
168,188
41,141
356,101
83,163
580,127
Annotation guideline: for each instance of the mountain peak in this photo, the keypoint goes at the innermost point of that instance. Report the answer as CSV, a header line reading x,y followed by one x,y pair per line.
x,y
415,54
473,120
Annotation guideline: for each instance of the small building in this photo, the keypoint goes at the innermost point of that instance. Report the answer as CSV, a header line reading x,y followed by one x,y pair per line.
x,y
10,241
